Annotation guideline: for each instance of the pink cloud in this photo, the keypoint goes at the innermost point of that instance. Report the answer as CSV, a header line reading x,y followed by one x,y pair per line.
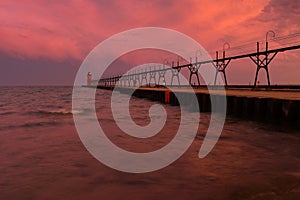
x,y
56,31
70,29
60,30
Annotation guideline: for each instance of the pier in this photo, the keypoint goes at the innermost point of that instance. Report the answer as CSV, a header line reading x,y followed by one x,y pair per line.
x,y
261,58
271,104
278,108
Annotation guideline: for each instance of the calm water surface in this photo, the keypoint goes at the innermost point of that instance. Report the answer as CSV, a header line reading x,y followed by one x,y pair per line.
x,y
42,157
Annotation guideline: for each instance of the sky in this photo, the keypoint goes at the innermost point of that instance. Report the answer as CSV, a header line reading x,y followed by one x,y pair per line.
x,y
44,42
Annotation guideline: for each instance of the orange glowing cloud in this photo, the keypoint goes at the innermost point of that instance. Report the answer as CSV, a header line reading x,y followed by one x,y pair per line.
x,y
33,29
58,31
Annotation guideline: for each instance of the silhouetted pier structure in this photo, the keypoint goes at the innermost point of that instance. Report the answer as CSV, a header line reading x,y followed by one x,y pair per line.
x,y
276,107
261,58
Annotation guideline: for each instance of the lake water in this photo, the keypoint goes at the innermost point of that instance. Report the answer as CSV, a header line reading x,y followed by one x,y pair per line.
x,y
42,157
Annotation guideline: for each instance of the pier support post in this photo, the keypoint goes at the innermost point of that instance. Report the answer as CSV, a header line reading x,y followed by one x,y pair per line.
x,y
126,79
144,77
152,76
194,68
137,79
131,78
263,63
175,73
221,65
161,75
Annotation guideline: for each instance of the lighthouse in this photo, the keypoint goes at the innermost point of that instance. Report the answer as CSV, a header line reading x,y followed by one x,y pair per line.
x,y
89,79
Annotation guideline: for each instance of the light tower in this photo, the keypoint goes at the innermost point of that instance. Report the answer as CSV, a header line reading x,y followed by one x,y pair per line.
x,y
89,79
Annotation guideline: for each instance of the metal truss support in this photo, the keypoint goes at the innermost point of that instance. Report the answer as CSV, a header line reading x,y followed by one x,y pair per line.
x,y
144,77
152,76
194,68
126,79
131,78
262,61
137,79
221,65
161,75
175,73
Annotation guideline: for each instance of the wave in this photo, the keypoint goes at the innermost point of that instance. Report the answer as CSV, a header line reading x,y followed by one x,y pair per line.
x,y
7,113
62,112
58,112
31,125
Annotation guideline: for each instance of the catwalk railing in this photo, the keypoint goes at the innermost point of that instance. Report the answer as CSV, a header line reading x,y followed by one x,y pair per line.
x,y
261,59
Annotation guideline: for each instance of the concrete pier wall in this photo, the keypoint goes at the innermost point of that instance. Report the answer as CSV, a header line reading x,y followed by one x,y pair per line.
x,y
279,112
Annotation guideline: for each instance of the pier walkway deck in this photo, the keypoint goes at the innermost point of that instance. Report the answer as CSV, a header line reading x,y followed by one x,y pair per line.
x,y
274,94
277,107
